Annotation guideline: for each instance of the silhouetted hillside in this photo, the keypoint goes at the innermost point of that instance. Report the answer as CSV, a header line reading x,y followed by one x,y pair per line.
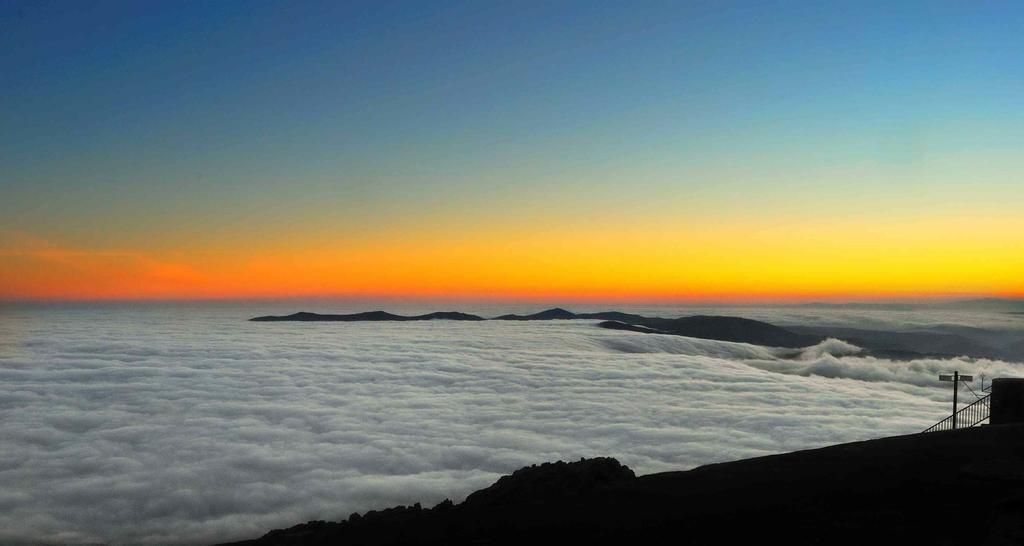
x,y
618,325
612,315
369,316
550,314
723,329
959,487
937,342
706,327
1016,350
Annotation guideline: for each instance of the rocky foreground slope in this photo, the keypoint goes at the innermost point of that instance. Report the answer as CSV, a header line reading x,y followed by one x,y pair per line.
x,y
957,487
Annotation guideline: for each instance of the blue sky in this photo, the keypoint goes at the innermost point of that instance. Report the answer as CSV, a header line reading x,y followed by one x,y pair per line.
x,y
131,124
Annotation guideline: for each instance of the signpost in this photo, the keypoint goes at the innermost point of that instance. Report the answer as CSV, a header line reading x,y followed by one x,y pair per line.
x,y
956,378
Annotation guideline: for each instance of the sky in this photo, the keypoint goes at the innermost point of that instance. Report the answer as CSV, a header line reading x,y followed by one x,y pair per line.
x,y
571,151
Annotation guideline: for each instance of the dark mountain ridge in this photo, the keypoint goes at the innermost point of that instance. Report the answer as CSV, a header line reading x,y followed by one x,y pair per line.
x,y
368,316
898,490
720,328
936,342
702,326
556,313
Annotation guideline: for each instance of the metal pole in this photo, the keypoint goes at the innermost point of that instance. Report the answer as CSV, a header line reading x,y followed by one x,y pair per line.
x,y
956,386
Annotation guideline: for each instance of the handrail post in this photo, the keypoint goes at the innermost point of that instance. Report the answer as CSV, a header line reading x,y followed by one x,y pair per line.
x,y
956,384
975,413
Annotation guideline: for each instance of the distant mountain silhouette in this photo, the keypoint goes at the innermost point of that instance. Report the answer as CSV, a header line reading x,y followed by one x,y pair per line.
x,y
551,314
1016,350
613,315
618,325
899,490
941,341
719,328
369,316
706,327
557,313
937,342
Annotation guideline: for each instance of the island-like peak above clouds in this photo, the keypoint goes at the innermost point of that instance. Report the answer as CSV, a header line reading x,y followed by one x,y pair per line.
x,y
706,327
368,316
719,328
556,313
894,345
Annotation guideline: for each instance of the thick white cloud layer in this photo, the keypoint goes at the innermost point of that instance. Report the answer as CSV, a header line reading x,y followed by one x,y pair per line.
x,y
184,425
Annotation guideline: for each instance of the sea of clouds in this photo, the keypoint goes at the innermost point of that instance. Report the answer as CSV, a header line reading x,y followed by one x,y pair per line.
x,y
190,425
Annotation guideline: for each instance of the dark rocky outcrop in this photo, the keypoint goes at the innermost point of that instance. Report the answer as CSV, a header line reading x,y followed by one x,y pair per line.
x,y
579,478
958,487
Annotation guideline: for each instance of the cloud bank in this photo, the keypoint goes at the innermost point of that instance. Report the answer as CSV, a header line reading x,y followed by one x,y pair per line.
x,y
194,426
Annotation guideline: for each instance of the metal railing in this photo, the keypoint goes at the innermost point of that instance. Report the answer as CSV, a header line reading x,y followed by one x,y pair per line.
x,y
967,416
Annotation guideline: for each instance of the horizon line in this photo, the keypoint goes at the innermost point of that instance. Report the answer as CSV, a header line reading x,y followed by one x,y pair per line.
x,y
722,300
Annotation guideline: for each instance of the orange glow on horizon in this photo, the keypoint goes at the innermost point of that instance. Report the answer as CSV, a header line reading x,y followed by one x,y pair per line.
x,y
914,258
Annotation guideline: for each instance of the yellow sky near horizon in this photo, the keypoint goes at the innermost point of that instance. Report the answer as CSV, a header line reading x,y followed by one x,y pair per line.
x,y
678,153
735,259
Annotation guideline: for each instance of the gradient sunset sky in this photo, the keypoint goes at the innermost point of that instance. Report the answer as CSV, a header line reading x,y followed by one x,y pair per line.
x,y
556,150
